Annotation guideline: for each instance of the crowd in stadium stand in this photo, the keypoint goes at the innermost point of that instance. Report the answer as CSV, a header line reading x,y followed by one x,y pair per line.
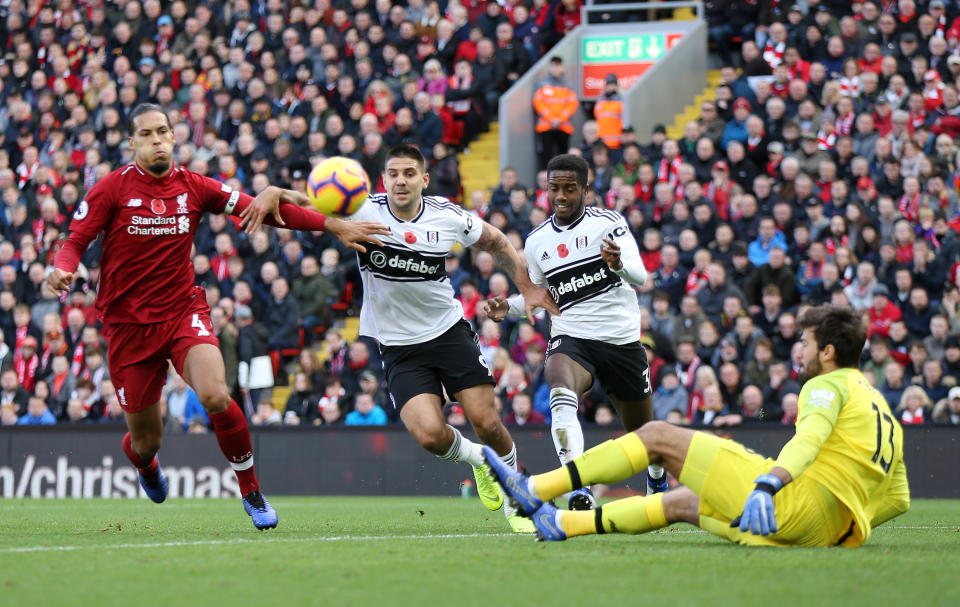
x,y
824,170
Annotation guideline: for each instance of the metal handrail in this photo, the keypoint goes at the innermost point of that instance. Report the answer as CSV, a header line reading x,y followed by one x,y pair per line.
x,y
589,7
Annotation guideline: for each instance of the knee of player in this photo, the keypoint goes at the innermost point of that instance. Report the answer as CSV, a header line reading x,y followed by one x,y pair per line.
x,y
433,442
651,433
652,429
215,398
488,429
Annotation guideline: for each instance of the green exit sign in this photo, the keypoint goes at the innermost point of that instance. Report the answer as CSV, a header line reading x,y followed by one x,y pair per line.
x,y
623,49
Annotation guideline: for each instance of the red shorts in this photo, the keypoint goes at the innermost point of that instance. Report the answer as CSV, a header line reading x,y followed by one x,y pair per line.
x,y
137,353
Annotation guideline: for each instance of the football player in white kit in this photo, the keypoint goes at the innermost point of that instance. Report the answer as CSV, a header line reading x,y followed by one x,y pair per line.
x,y
409,308
588,259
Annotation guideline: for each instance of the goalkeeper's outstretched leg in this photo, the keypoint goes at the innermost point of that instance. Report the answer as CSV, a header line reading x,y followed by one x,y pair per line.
x,y
688,455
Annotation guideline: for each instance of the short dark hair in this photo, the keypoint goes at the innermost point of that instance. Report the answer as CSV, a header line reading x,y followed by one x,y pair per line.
x,y
141,109
405,150
839,326
570,162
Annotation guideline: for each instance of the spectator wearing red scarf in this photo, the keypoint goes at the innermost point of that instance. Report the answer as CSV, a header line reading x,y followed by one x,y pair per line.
x,y
26,363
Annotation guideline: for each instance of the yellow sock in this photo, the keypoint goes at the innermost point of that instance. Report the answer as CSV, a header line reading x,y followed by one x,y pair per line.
x,y
552,484
578,522
609,462
634,515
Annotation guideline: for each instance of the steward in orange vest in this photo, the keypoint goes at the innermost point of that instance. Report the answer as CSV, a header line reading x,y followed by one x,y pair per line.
x,y
555,104
608,112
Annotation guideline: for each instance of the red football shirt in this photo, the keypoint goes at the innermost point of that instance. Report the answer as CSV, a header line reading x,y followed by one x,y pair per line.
x,y
146,272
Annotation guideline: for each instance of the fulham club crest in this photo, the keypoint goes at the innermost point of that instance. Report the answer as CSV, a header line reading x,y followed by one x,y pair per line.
x,y
581,242
433,237
158,207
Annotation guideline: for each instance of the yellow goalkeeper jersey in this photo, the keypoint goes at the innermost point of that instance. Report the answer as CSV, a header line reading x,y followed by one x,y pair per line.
x,y
861,460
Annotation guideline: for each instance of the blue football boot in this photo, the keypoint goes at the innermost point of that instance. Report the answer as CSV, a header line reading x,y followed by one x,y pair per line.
x,y
154,486
515,484
545,520
260,510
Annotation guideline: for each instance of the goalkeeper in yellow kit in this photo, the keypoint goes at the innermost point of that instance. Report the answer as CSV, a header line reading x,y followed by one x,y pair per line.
x,y
839,476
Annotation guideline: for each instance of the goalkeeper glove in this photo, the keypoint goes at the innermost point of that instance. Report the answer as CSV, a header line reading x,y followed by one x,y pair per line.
x,y
758,516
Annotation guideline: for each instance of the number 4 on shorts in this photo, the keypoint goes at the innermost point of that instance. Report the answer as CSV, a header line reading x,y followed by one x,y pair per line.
x,y
198,325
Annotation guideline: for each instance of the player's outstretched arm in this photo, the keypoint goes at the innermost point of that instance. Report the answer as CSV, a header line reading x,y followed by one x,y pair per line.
x,y
494,242
267,203
287,208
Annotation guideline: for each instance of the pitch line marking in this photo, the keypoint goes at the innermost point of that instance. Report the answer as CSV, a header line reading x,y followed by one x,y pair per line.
x,y
336,538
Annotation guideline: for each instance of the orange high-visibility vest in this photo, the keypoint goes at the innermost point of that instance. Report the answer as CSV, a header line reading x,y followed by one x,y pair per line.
x,y
555,103
609,116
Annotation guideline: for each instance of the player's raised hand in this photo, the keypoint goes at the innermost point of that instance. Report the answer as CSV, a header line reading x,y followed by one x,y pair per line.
x,y
538,297
758,516
496,309
352,233
266,203
610,251
60,280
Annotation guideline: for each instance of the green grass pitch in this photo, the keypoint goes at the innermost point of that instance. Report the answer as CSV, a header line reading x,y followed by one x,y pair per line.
x,y
439,551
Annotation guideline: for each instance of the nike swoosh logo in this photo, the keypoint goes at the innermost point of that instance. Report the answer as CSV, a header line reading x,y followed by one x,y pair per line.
x,y
546,520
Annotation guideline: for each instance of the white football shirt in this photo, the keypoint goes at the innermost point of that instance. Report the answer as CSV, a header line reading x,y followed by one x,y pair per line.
x,y
595,303
407,297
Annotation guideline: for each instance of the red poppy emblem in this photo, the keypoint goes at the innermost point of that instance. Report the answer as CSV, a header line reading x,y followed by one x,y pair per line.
x,y
410,237
562,250
158,207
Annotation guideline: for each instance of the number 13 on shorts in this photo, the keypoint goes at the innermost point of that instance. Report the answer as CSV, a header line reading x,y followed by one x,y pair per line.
x,y
197,324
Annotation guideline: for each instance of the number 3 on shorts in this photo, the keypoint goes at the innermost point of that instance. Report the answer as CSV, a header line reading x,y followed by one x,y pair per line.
x,y
198,325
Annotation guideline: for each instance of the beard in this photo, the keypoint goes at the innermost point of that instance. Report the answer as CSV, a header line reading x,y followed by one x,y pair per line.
x,y
811,369
159,166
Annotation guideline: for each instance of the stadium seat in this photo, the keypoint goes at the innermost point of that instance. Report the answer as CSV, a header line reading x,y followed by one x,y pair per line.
x,y
345,303
277,356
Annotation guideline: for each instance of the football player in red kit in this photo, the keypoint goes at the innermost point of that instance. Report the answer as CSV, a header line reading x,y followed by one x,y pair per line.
x,y
149,211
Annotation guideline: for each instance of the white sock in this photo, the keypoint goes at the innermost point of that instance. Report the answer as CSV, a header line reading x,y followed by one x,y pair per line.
x,y
564,425
655,471
510,459
465,450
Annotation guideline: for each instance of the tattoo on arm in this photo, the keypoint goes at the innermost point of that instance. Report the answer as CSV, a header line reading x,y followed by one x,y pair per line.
x,y
494,242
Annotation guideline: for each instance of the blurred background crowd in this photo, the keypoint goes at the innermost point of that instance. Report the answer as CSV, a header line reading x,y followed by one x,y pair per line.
x,y
823,168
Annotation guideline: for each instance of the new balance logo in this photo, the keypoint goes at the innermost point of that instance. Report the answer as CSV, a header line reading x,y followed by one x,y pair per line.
x,y
135,202
545,256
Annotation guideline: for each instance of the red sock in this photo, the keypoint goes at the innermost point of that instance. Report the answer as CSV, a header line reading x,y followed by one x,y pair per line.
x,y
146,468
233,435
